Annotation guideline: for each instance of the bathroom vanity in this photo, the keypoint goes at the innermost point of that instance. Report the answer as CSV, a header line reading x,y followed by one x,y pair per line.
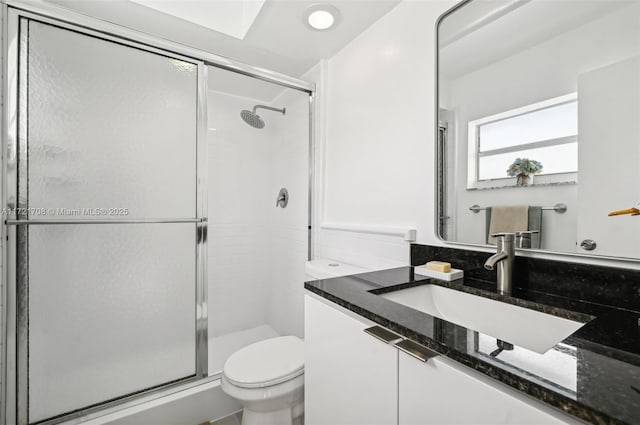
x,y
364,380
372,360
523,88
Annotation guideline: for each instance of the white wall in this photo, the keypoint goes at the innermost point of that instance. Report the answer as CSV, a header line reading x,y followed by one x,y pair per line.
x,y
257,251
377,153
239,205
520,80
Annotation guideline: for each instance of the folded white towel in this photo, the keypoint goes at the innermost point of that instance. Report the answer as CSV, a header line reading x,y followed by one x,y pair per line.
x,y
508,218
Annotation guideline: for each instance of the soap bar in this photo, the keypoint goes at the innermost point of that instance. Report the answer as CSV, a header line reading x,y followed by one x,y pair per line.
x,y
454,274
439,266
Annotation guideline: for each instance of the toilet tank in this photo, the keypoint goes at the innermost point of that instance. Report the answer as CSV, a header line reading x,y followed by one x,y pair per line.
x,y
323,268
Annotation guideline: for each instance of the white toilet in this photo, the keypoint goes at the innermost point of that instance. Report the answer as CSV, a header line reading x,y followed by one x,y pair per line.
x,y
267,377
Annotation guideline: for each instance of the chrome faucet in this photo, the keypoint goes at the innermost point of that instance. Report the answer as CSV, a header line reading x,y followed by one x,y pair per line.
x,y
504,259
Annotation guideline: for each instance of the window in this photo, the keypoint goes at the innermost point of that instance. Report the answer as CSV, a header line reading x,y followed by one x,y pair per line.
x,y
546,132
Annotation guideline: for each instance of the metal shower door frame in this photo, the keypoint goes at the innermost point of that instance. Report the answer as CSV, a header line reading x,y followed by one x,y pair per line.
x,y
15,228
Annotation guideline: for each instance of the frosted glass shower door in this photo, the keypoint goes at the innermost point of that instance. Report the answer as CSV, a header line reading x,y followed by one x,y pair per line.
x,y
109,220
111,312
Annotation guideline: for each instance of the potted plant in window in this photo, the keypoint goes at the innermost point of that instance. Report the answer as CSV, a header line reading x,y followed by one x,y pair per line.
x,y
523,169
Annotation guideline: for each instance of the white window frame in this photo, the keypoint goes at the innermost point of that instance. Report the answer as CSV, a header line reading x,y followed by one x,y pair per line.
x,y
473,152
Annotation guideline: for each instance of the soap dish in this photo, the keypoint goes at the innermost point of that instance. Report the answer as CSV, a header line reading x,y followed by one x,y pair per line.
x,y
454,274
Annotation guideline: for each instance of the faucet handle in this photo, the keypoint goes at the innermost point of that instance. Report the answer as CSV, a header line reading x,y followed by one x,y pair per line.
x,y
507,236
523,238
526,232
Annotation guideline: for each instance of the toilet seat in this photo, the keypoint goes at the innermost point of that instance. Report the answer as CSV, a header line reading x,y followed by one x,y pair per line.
x,y
266,363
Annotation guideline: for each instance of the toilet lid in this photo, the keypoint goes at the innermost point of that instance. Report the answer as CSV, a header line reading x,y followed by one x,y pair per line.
x,y
265,363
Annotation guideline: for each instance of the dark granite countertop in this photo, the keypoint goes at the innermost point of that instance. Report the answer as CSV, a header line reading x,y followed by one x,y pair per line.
x,y
594,374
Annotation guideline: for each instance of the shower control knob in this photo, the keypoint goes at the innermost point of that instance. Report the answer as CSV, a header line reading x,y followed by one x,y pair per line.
x,y
283,198
588,244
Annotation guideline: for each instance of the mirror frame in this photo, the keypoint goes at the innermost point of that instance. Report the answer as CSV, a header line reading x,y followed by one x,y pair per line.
x,y
525,252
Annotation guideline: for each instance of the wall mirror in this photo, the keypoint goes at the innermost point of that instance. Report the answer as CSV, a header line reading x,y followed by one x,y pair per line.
x,y
539,124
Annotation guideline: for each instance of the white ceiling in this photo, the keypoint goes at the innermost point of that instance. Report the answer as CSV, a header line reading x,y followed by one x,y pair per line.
x,y
475,37
279,38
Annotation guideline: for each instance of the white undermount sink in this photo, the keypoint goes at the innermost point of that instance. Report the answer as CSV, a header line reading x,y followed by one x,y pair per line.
x,y
521,326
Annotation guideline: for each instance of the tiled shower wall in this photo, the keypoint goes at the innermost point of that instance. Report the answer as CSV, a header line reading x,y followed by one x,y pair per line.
x,y
257,251
239,205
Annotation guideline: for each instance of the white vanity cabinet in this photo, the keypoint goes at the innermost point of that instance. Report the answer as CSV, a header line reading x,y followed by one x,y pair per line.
x,y
353,378
350,376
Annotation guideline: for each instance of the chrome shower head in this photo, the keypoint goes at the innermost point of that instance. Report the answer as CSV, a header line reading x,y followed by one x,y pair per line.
x,y
253,119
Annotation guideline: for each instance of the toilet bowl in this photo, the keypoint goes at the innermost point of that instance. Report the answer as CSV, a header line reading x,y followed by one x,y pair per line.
x,y
267,378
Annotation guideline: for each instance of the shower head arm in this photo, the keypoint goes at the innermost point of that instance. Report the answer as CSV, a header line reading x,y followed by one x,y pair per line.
x,y
283,110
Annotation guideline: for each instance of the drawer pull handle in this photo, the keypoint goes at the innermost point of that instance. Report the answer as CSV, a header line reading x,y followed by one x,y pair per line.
x,y
418,351
383,335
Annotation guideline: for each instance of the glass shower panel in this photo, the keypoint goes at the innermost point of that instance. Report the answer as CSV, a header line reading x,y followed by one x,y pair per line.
x,y
111,312
109,132
111,129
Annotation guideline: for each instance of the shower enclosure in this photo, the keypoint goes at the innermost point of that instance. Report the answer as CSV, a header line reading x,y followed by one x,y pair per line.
x,y
104,292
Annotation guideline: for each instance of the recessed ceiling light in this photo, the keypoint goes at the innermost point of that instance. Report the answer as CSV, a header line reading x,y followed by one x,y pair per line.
x,y
321,17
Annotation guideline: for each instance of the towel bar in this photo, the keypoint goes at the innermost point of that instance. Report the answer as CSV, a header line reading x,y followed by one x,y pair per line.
x,y
560,208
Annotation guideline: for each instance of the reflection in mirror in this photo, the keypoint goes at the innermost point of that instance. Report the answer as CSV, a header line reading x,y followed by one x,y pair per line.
x,y
539,124
557,368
